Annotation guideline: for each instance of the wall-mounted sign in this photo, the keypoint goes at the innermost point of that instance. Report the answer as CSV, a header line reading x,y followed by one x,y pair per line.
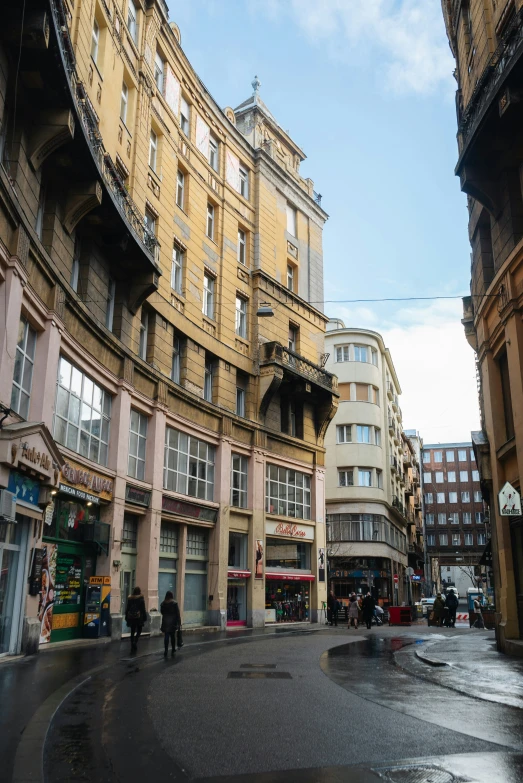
x,y
24,487
79,494
138,496
35,457
290,530
321,564
87,480
199,513
509,501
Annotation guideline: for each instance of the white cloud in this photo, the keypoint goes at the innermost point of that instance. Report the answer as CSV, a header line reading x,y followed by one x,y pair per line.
x,y
405,38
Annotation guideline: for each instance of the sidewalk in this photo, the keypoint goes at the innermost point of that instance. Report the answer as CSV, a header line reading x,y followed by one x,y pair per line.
x,y
468,663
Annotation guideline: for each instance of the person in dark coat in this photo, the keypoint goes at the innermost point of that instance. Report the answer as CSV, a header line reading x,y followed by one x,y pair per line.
x,y
452,603
171,621
332,609
368,606
135,616
438,609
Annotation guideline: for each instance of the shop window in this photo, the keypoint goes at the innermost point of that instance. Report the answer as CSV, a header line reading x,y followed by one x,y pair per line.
x,y
71,519
82,414
169,538
288,492
188,465
282,554
168,560
137,444
237,550
239,476
23,373
130,532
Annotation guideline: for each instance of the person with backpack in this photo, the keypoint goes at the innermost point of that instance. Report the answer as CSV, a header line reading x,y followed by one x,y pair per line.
x,y
135,616
452,603
171,621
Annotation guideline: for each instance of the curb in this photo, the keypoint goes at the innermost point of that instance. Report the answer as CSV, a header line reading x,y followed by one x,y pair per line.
x,y
430,661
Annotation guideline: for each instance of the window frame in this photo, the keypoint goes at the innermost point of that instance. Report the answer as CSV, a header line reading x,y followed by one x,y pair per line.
x,y
240,401
153,150
208,295
290,277
124,102
284,498
208,379
26,360
239,480
214,153
210,222
144,334
133,18
141,419
159,72
346,472
241,317
185,118
176,359
344,428
292,220
180,189
95,41
177,266
109,310
241,254
189,465
243,180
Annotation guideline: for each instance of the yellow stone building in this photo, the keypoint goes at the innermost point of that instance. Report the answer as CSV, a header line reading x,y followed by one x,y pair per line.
x,y
161,260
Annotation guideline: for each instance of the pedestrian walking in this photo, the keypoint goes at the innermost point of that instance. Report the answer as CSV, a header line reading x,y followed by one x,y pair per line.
x,y
135,616
368,605
438,610
353,611
479,615
332,609
452,603
171,621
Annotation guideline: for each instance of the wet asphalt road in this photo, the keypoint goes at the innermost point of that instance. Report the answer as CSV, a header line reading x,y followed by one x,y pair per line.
x,y
331,700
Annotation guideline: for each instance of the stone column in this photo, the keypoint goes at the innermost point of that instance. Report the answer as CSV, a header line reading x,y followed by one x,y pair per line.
x,y
219,537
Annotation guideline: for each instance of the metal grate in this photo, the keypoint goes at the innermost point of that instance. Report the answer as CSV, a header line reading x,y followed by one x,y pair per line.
x,y
417,774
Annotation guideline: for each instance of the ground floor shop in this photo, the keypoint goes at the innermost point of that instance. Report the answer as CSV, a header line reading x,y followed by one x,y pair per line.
x,y
382,577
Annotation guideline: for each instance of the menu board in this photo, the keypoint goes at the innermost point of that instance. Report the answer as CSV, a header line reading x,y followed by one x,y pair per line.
x,y
47,591
68,583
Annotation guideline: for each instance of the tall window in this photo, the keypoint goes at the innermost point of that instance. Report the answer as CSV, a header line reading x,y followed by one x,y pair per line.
x,y
239,467
469,539
188,465
124,99
479,517
467,518
241,317
159,66
208,296
363,433
504,377
346,478
465,497
176,362
131,21
288,492
242,247
290,277
475,475
177,270
342,353
130,532
463,475
451,476
39,224
443,539
82,414
438,456
379,479
240,401
428,497
23,374
291,219
440,497
153,150
442,518
454,518
450,456
377,436
144,334
472,456
95,41
75,269
109,309
293,338
462,455
137,442
180,189
482,539
213,153
429,519
431,540
184,116
456,539
364,478
344,433
244,182
150,221
208,378
478,497
453,497
427,478
210,221
439,477
361,353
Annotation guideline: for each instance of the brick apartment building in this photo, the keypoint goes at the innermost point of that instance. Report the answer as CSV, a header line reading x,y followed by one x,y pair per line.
x,y
454,513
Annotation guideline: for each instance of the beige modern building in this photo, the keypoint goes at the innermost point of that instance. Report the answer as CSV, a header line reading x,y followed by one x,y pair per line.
x,y
156,430
372,480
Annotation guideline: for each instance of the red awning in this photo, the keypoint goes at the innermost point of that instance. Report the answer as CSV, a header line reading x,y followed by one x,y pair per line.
x,y
290,577
238,574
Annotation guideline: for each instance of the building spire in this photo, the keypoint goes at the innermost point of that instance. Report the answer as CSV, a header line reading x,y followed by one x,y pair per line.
x,y
256,84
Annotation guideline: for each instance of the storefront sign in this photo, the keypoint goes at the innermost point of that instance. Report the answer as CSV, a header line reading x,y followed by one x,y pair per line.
x,y
340,573
258,559
29,448
24,488
283,577
238,574
138,496
35,457
200,513
80,478
47,593
99,580
79,494
321,564
290,530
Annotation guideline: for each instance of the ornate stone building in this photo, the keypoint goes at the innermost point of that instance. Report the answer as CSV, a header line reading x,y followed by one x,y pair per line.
x,y
154,430
486,38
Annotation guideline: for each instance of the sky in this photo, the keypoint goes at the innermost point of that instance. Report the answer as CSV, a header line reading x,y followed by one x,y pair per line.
x,y
365,87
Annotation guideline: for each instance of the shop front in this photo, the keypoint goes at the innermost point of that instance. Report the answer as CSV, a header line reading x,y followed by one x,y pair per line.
x,y
288,577
74,536
237,576
372,575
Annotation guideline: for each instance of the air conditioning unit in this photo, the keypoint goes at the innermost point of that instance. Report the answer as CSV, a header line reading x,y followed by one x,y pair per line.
x,y
7,506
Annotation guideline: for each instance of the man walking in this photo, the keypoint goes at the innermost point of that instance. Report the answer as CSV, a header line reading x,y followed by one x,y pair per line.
x,y
451,602
368,605
332,609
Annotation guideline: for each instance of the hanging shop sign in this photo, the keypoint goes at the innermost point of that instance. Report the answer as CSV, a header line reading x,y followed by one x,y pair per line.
x,y
199,513
85,481
509,501
137,496
238,573
290,530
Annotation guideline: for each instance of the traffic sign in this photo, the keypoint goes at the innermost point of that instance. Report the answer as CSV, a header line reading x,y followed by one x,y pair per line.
x,y
509,501
396,579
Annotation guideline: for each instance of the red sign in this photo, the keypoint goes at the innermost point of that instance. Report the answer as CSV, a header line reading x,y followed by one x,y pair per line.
x,y
283,529
291,577
238,573
396,579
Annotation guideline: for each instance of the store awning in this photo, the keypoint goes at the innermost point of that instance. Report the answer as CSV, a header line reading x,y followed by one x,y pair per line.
x,y
283,577
237,573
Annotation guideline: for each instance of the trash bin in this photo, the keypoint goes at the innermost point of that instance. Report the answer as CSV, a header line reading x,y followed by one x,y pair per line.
x,y
400,615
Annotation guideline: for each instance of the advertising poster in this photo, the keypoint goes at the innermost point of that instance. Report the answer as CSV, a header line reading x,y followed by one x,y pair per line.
x,y
258,572
47,592
321,564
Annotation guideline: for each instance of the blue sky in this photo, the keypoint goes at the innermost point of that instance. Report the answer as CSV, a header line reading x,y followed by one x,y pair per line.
x,y
365,87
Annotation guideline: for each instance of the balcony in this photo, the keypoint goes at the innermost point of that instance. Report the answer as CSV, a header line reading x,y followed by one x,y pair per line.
x,y
392,426
399,507
395,402
394,464
286,371
390,390
409,487
407,458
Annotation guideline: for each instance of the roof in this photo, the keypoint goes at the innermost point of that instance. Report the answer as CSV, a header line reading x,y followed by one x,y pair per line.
x,y
427,446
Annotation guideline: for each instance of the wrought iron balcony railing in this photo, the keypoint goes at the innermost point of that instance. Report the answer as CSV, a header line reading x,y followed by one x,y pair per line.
x,y
275,352
125,204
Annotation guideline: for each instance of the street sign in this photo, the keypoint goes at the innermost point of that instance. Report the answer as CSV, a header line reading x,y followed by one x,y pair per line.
x,y
416,578
509,501
396,579
409,571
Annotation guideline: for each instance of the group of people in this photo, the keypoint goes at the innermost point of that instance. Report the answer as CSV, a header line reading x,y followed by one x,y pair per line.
x,y
359,607
136,617
449,602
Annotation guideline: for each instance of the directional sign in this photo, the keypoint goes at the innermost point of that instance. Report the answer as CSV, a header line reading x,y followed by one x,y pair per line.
x,y
396,579
509,501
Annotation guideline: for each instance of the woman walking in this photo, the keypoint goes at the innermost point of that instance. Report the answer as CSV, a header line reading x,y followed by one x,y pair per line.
x,y
171,621
135,616
353,611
